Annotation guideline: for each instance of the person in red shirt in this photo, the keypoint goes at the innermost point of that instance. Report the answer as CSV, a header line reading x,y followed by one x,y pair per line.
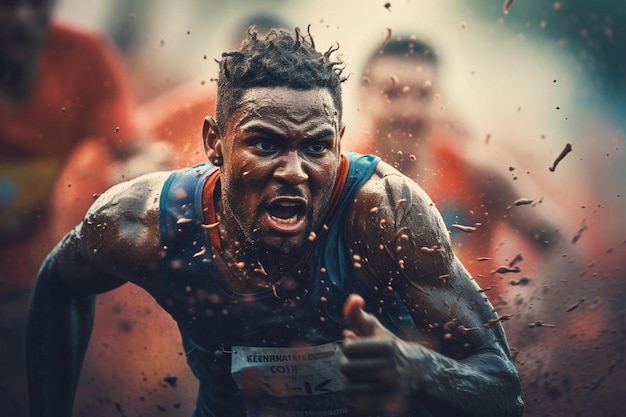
x,y
400,99
401,102
67,132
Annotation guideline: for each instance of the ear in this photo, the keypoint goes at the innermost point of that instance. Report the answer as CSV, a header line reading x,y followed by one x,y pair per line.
x,y
342,130
212,140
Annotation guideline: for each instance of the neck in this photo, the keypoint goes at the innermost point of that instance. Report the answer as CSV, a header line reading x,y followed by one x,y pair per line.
x,y
246,266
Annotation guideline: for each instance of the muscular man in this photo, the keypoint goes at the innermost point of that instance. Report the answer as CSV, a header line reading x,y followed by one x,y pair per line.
x,y
304,281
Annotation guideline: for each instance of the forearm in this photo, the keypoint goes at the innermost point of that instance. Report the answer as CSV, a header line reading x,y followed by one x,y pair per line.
x,y
485,384
58,330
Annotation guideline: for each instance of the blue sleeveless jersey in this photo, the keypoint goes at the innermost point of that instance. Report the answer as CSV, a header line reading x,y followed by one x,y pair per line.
x,y
212,318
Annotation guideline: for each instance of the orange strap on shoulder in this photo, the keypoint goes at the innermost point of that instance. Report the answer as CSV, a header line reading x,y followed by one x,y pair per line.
x,y
208,206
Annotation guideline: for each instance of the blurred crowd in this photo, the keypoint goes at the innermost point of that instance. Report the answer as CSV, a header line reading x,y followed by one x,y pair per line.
x,y
482,117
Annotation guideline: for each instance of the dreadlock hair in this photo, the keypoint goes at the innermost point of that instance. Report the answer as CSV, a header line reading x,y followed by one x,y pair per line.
x,y
280,59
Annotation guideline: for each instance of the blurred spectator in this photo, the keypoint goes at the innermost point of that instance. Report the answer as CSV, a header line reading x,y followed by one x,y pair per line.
x,y
63,96
176,116
400,98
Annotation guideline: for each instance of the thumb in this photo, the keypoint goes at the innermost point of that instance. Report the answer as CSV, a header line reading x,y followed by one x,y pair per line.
x,y
360,322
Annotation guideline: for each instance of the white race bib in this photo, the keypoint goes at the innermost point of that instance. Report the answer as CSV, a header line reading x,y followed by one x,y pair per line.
x,y
290,382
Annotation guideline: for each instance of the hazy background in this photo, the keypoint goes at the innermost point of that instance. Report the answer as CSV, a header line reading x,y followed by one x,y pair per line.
x,y
525,84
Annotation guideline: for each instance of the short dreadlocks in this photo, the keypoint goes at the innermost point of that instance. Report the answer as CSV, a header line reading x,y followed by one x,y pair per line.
x,y
281,59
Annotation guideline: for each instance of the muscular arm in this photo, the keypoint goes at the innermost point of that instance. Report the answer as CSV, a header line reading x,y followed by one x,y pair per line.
x,y
461,366
117,242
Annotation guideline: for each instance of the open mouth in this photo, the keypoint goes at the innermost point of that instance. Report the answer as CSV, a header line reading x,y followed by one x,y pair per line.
x,y
286,214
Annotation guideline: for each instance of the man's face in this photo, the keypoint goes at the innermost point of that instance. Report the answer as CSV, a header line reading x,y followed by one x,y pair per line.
x,y
281,155
399,91
23,27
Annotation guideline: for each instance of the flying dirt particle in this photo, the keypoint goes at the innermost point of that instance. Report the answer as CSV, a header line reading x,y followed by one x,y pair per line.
x,y
580,231
201,252
520,202
388,6
209,226
522,281
466,229
567,149
539,323
507,6
516,259
575,305
506,269
492,322
171,380
387,37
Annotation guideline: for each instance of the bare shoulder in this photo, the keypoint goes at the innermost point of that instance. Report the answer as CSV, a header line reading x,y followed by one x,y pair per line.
x,y
396,226
120,232
397,201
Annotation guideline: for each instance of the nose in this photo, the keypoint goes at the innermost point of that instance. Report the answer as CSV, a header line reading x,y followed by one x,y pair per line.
x,y
291,169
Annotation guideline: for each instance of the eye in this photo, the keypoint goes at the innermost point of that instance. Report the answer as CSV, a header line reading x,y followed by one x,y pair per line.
x,y
265,145
317,147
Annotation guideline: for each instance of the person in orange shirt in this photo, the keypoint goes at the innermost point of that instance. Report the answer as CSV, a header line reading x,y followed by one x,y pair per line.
x,y
67,132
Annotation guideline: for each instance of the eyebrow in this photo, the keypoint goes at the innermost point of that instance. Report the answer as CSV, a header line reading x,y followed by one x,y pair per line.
x,y
271,132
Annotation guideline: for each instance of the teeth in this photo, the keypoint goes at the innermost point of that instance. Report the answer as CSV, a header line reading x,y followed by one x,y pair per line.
x,y
290,220
286,204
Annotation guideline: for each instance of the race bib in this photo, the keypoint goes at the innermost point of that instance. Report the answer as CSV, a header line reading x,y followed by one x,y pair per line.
x,y
290,382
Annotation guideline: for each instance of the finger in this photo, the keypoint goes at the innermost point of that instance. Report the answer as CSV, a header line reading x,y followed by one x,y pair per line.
x,y
349,335
379,372
370,348
360,322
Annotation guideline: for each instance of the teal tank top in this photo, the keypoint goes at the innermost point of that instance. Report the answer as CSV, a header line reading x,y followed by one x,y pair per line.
x,y
213,319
